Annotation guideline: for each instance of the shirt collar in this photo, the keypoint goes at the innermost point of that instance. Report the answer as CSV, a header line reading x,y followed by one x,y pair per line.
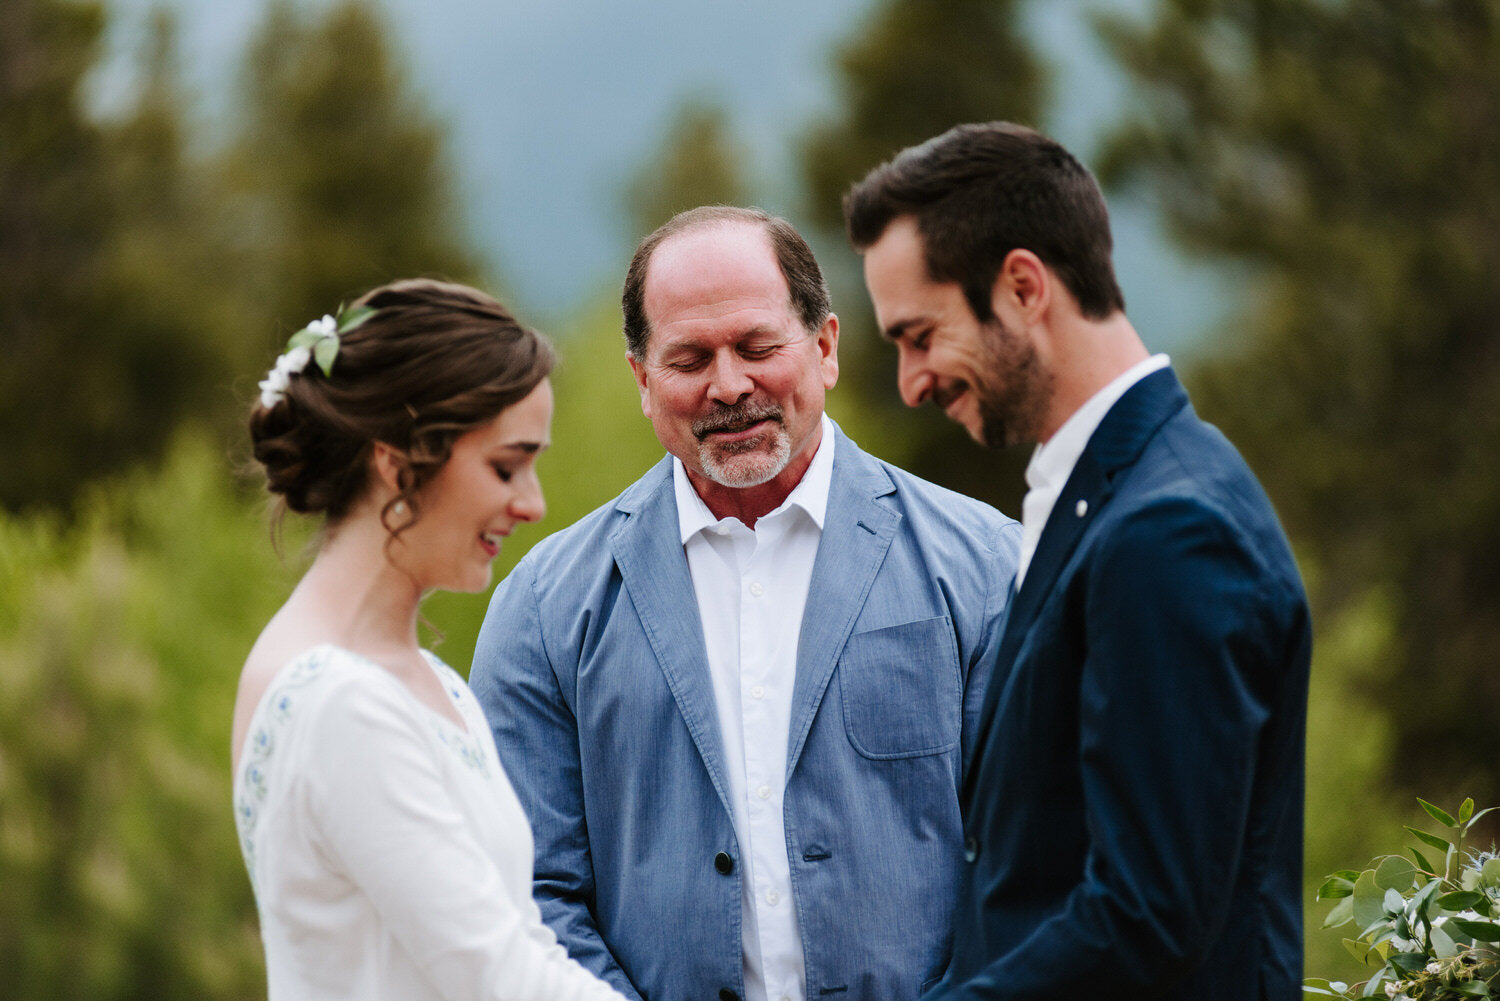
x,y
1052,463
810,493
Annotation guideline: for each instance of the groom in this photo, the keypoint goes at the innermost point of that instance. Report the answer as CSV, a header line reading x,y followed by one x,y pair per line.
x,y
1133,815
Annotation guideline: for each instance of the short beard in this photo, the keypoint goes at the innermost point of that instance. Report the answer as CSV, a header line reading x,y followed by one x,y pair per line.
x,y
1012,415
747,463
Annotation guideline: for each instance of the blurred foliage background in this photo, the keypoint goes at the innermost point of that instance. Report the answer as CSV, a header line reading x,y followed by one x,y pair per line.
x,y
1341,158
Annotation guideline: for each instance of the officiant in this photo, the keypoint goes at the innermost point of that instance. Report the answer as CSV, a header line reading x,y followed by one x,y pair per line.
x,y
735,700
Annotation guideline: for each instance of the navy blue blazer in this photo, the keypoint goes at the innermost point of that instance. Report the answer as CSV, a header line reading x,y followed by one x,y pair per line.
x,y
593,672
1133,813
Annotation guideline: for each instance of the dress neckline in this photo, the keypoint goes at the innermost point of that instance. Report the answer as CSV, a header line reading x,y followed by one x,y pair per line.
x,y
431,659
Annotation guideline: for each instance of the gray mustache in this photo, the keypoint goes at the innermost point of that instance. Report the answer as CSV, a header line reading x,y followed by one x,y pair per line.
x,y
726,418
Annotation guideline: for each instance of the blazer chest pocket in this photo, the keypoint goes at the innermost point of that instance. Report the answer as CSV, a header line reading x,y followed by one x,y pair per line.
x,y
901,689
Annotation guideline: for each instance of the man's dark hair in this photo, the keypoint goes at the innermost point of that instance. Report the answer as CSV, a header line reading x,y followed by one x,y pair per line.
x,y
804,280
978,192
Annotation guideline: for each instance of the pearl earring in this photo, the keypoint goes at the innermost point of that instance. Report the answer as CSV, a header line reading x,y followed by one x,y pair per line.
x,y
399,509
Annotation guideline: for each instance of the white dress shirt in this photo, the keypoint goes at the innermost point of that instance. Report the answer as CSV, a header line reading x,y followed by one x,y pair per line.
x,y
1053,461
752,587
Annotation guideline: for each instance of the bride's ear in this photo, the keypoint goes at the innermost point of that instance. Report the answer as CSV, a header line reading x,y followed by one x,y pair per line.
x,y
389,465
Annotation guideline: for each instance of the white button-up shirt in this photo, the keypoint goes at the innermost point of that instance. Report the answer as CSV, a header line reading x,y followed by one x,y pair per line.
x,y
1053,461
752,587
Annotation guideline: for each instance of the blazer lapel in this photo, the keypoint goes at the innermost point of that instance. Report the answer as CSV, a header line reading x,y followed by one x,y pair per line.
x,y
648,551
1114,446
857,532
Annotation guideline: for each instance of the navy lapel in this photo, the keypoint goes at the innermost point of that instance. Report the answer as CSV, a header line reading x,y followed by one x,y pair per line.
x,y
857,532
648,550
1115,445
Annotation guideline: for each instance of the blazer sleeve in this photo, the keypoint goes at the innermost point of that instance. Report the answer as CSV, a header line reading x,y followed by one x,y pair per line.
x,y
536,735
1187,639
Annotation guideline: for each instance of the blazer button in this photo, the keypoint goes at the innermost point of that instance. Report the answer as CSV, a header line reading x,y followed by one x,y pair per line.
x,y
971,848
725,865
725,994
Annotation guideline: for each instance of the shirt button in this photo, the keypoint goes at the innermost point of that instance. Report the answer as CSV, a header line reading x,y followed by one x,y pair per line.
x,y
773,898
758,692
1081,508
764,792
723,863
971,848
756,590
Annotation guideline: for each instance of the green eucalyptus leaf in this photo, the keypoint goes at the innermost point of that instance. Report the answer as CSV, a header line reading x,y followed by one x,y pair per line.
x,y
1489,874
1419,900
1422,862
1395,873
1466,810
1460,899
1369,900
1341,913
304,338
324,352
1437,813
351,318
1471,988
1432,840
1475,819
1408,963
1481,931
1335,887
1393,902
1357,949
1314,986
1443,946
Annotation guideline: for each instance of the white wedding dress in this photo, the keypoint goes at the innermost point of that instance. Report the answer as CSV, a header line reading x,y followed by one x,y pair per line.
x,y
389,854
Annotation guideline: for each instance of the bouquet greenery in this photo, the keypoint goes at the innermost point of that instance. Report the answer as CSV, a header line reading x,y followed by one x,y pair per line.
x,y
1432,929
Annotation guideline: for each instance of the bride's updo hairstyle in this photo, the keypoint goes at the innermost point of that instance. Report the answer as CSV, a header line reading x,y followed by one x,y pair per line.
x,y
433,361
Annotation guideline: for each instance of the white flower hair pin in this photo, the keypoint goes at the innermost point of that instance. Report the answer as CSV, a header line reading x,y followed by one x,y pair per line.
x,y
319,342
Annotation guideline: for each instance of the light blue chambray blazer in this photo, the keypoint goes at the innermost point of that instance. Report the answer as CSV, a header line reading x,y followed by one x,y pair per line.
x,y
592,670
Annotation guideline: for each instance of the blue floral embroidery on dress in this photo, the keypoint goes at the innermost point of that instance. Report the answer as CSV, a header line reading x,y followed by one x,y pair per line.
x,y
467,745
269,722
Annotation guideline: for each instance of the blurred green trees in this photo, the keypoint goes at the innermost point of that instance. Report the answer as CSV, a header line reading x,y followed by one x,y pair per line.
x,y
139,273
119,639
700,164
100,356
913,69
339,179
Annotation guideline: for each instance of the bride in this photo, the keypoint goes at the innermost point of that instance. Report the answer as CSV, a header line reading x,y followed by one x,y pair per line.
x,y
388,853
